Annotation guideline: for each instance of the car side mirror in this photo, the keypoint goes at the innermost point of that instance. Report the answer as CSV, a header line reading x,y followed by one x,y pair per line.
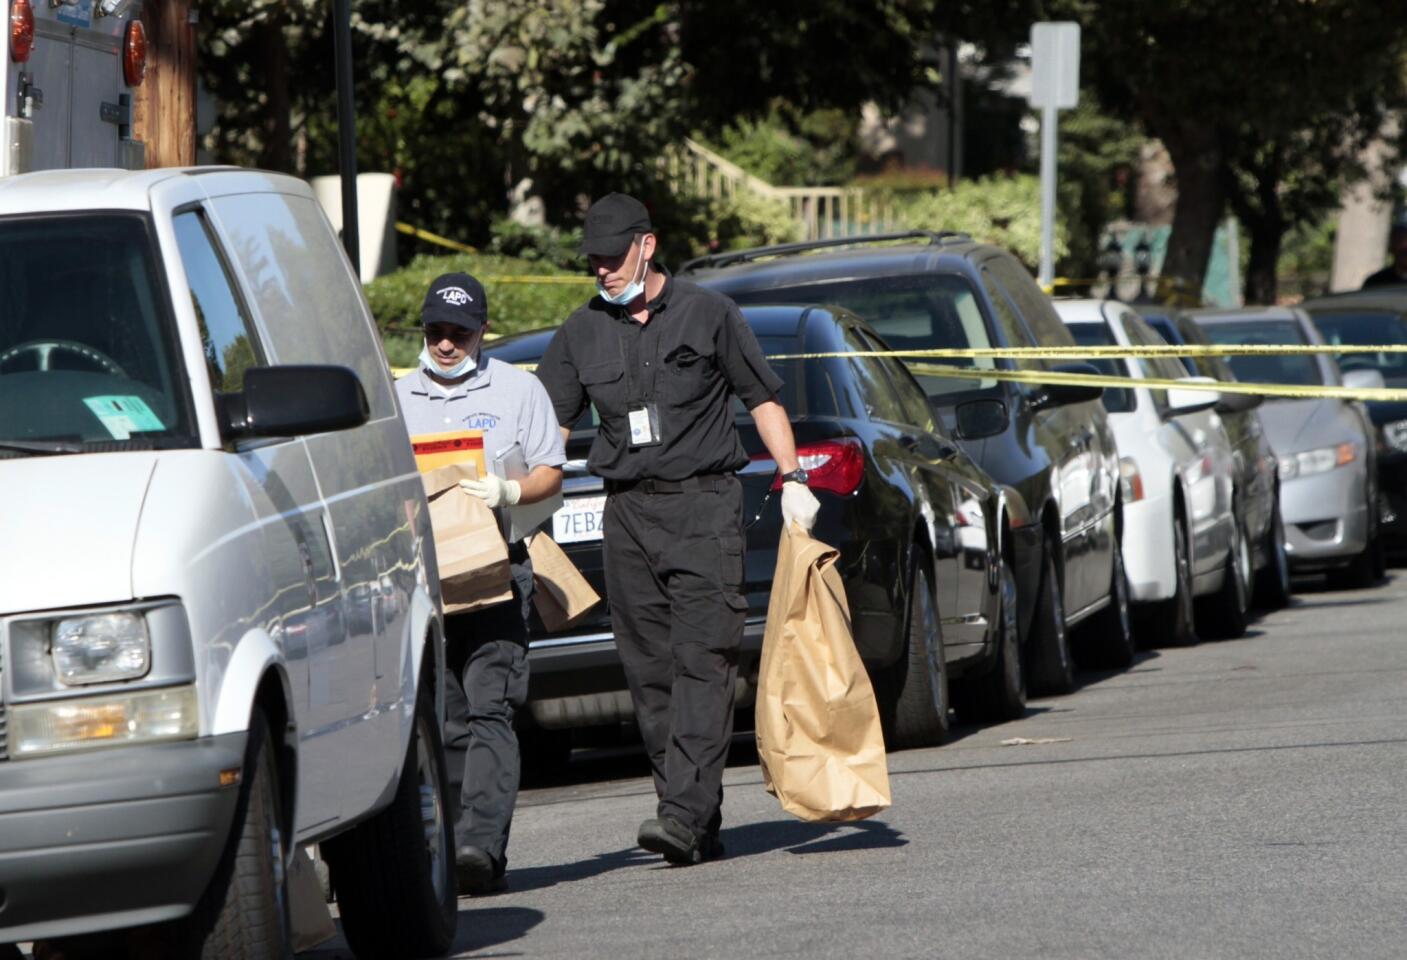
x,y
977,419
292,401
1061,395
1183,400
1238,402
1364,380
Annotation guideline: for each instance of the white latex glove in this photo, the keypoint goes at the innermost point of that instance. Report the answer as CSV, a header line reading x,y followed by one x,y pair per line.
x,y
493,490
799,505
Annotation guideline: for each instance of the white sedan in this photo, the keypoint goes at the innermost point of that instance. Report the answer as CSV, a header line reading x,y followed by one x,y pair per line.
x,y
1183,537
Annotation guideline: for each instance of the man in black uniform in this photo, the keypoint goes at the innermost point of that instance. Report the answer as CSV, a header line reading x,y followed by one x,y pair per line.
x,y
661,359
1395,273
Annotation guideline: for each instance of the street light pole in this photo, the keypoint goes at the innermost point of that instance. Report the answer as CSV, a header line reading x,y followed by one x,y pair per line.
x,y
346,130
1049,120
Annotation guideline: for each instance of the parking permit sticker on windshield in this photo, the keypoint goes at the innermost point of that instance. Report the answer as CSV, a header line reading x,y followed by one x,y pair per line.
x,y
123,416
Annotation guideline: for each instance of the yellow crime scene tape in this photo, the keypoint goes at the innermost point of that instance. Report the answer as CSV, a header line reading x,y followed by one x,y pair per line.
x,y
435,238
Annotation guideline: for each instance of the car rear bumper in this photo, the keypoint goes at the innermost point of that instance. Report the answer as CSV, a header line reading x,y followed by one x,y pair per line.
x,y
578,681
1326,518
1148,550
112,838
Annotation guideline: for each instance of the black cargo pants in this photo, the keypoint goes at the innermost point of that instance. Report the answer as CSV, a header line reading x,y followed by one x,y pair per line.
x,y
674,574
487,657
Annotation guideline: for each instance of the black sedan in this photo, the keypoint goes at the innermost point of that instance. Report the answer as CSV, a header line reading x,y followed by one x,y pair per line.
x,y
923,537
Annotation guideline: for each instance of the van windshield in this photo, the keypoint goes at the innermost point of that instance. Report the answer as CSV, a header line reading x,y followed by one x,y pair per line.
x,y
88,356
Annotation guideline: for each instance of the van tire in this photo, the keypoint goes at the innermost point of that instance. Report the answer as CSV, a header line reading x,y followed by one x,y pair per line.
x,y
1052,669
914,705
243,914
395,882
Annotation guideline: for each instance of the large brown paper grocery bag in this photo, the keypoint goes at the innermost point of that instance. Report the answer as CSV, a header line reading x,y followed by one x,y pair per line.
x,y
818,733
471,554
562,595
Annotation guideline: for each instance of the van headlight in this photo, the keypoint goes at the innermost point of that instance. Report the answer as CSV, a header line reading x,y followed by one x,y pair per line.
x,y
101,648
1322,460
63,726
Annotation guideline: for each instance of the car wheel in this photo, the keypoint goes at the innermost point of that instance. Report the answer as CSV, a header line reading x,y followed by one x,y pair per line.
x,y
1000,693
1052,670
1172,623
1226,612
1273,587
918,711
1107,640
394,873
244,911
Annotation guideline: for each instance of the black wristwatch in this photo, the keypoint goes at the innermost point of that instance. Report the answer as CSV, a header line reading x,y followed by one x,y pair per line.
x,y
799,475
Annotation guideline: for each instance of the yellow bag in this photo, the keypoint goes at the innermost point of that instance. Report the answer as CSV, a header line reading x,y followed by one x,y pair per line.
x,y
818,734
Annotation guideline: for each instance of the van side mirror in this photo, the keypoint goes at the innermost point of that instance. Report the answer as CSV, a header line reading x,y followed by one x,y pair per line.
x,y
291,401
977,419
1060,395
1238,402
1362,379
1183,400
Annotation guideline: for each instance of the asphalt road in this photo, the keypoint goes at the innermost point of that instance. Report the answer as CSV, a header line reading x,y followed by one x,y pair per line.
x,y
1234,799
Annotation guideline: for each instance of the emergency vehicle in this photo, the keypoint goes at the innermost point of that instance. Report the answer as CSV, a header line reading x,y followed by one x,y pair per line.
x,y
70,78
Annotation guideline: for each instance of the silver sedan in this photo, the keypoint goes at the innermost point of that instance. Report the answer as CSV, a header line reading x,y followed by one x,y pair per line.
x,y
1326,455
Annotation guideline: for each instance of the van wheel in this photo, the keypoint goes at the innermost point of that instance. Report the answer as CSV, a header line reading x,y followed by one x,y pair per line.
x,y
1227,611
917,694
1000,693
1052,670
394,873
1108,637
244,913
1273,587
1172,622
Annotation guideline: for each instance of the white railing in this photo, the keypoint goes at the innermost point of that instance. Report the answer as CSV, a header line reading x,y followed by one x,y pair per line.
x,y
822,212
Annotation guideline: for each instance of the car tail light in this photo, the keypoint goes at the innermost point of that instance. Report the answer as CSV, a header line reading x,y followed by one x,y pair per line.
x,y
21,30
134,54
834,465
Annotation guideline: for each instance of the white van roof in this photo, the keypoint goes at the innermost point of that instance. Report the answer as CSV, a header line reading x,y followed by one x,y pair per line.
x,y
112,189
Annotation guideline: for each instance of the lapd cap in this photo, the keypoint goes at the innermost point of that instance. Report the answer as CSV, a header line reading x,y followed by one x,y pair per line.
x,y
612,223
456,298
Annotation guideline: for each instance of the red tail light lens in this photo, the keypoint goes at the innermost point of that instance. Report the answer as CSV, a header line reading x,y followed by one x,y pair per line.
x,y
134,54
834,465
21,30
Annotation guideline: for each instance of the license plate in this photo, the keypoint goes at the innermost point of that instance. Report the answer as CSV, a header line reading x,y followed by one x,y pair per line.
x,y
578,520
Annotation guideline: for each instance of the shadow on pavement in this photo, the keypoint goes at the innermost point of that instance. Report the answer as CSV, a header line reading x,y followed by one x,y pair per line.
x,y
538,878
482,927
796,836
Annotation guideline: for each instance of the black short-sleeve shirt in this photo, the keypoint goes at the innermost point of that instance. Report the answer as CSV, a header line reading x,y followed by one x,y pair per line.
x,y
691,357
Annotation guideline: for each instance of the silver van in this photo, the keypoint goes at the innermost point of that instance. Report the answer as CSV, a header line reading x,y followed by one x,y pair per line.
x,y
220,635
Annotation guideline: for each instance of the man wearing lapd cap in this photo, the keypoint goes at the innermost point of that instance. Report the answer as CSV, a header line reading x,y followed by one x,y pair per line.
x,y
455,387
662,360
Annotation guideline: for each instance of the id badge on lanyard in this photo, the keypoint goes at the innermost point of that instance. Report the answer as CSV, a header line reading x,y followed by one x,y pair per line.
x,y
643,415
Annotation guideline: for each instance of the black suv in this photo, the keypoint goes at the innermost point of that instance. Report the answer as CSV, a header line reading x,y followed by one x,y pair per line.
x,y
1050,446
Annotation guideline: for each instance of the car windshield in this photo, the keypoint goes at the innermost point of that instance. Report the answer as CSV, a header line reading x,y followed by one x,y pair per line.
x,y
1116,400
1375,328
88,358
919,312
1168,332
1295,371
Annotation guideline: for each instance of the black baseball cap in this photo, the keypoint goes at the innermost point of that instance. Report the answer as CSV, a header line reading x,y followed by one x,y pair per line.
x,y
456,298
612,223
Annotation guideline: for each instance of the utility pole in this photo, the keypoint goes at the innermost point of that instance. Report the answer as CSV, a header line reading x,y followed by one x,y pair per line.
x,y
164,112
346,130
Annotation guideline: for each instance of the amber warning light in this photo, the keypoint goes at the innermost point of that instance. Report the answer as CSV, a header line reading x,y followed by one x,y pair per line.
x,y
21,30
134,54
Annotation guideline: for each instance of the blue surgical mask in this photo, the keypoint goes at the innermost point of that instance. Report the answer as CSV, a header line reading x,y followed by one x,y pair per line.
x,y
458,370
632,290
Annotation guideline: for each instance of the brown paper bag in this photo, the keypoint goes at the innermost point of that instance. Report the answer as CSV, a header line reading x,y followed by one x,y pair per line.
x,y
471,554
818,734
562,595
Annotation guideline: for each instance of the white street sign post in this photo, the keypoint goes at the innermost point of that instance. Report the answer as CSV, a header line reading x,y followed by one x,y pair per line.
x,y
1055,86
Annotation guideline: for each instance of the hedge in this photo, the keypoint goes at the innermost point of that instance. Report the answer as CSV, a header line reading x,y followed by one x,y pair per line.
x,y
513,306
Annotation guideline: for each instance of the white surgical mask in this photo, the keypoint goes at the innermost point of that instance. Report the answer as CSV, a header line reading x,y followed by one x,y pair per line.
x,y
632,289
427,361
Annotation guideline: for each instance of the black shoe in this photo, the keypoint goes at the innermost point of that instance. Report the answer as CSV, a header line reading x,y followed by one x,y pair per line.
x,y
678,844
478,873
